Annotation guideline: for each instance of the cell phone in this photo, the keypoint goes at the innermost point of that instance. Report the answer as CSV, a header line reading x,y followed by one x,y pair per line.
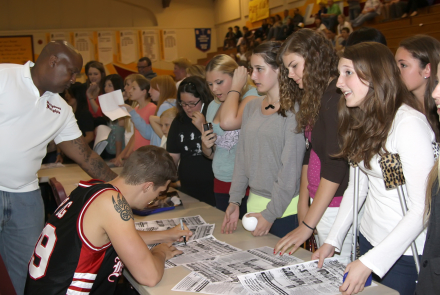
x,y
367,283
207,126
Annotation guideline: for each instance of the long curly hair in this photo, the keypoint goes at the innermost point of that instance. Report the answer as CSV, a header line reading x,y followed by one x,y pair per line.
x,y
426,50
321,64
364,129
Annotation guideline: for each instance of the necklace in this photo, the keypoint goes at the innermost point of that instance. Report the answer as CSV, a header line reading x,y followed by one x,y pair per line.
x,y
270,106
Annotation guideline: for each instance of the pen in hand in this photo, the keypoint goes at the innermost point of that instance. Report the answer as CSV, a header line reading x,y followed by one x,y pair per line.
x,y
181,226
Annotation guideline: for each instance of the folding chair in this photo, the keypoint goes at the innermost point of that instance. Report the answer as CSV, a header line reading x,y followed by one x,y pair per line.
x,y
58,190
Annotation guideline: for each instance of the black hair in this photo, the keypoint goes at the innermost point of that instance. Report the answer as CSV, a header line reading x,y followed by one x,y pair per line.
x,y
237,27
76,90
117,81
145,59
366,34
198,87
345,29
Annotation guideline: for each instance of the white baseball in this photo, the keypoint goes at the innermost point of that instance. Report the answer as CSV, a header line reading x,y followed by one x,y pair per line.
x,y
249,223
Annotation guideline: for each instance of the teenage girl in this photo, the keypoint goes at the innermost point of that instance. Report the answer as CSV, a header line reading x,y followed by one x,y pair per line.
x,y
378,116
269,154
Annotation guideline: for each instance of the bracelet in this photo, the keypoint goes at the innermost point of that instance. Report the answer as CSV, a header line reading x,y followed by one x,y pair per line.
x,y
309,226
239,93
236,203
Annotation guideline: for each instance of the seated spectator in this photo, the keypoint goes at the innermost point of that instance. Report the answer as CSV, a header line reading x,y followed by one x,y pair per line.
x,y
276,31
196,70
184,140
322,10
229,41
366,35
238,34
331,37
397,8
116,142
354,8
91,237
342,23
286,16
144,67
319,26
289,28
242,54
264,30
297,17
370,11
180,66
413,5
329,19
341,42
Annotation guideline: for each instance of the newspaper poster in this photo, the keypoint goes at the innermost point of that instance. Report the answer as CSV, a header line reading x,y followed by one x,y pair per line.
x,y
105,46
61,36
228,267
304,278
199,250
84,45
164,224
150,43
169,40
198,284
127,46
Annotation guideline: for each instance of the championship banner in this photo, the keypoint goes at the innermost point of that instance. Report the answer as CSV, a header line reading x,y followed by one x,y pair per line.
x,y
150,41
258,10
83,44
203,39
105,46
169,42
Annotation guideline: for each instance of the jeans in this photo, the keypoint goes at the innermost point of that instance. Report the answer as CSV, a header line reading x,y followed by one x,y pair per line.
x,y
21,222
283,226
363,18
354,12
401,277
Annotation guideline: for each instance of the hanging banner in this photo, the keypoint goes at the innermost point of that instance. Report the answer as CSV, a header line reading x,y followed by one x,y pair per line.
x,y
203,39
150,41
16,49
83,44
105,47
258,10
62,36
169,45
127,47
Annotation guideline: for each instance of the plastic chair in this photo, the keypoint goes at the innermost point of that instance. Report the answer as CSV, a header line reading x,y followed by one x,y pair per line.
x,y
58,190
6,287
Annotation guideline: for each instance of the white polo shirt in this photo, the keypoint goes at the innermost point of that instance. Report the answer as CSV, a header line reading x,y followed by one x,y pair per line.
x,y
28,123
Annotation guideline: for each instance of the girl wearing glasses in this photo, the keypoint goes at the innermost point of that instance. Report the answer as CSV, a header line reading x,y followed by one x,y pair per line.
x,y
269,154
226,113
184,141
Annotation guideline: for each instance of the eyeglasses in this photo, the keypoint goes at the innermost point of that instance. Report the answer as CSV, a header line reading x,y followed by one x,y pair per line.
x,y
139,68
189,104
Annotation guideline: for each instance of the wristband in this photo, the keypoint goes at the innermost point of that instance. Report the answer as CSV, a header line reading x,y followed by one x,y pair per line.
x,y
239,93
236,203
309,226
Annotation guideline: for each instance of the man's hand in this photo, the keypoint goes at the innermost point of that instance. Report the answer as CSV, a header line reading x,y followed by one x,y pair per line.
x,y
166,249
176,233
263,225
79,151
230,220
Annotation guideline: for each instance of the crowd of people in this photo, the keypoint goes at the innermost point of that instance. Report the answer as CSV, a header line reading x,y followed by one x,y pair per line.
x,y
278,139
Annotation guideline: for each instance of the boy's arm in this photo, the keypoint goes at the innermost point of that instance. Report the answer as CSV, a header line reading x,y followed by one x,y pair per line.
x,y
116,219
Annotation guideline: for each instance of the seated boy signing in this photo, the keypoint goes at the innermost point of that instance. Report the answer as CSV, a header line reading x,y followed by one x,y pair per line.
x,y
91,236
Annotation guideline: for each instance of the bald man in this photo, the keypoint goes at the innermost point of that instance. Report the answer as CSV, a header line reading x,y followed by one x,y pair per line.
x,y
31,115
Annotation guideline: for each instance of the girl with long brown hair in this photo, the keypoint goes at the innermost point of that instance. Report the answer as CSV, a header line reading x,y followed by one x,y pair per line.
x,y
417,58
379,117
308,77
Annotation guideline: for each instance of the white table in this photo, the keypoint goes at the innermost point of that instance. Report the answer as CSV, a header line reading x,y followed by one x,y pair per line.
x,y
240,238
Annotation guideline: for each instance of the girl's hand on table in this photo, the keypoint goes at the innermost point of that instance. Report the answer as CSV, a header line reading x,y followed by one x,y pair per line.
x,y
295,238
358,274
229,224
263,226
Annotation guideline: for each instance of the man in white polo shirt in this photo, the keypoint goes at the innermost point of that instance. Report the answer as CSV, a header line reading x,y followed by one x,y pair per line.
x,y
31,115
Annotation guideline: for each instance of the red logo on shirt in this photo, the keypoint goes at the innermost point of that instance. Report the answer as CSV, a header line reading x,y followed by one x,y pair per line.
x,y
53,108
117,269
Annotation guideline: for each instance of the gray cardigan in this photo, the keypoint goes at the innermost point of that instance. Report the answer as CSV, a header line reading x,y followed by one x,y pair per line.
x,y
268,159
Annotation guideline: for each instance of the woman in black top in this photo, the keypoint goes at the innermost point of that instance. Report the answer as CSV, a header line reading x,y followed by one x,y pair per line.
x,y
184,140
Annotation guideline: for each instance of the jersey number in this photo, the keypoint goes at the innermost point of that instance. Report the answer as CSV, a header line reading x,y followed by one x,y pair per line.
x,y
43,251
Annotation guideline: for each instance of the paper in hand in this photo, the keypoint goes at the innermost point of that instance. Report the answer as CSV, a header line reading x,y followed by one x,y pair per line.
x,y
110,105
